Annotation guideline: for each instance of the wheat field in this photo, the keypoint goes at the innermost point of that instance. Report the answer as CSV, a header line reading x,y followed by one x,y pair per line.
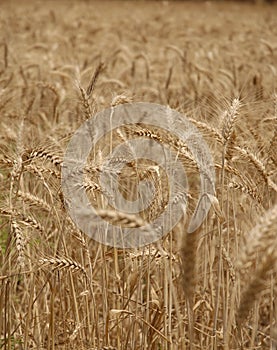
x,y
215,63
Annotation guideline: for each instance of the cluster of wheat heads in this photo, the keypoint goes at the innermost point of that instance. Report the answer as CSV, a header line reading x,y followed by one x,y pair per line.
x,y
215,289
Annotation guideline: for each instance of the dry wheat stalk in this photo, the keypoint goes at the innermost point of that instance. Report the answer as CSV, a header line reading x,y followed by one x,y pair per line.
x,y
189,279
188,254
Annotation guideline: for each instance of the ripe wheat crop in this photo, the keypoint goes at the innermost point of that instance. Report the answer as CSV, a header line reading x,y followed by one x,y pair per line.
x,y
213,62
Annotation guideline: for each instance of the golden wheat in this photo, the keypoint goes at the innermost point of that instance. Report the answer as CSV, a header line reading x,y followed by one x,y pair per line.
x,y
215,63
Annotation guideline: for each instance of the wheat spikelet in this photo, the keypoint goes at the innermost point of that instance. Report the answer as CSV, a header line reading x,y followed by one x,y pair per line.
x,y
85,99
255,286
259,238
161,194
233,171
246,189
165,138
4,160
258,165
61,263
34,200
229,152
39,171
120,99
50,87
259,249
26,220
42,153
19,243
16,171
94,79
121,219
204,127
229,120
94,188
